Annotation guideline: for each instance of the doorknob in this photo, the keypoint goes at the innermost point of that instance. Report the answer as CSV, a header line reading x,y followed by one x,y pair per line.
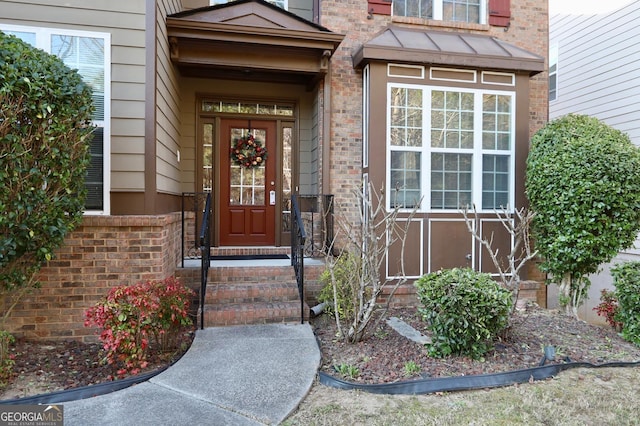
x,y
468,256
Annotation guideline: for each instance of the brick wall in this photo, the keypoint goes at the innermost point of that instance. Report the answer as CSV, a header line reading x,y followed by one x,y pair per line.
x,y
105,251
528,30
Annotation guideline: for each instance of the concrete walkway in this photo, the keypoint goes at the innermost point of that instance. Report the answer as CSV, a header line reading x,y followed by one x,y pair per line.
x,y
244,375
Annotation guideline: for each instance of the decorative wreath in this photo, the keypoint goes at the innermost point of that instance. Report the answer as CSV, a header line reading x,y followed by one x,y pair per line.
x,y
248,152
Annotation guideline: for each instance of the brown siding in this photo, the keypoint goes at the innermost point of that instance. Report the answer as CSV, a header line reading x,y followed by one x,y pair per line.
x,y
125,21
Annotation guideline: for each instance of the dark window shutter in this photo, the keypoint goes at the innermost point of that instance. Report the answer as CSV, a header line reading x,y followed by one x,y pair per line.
x,y
379,7
499,12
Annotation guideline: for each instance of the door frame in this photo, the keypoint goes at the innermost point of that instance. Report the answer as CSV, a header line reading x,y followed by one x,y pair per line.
x,y
282,237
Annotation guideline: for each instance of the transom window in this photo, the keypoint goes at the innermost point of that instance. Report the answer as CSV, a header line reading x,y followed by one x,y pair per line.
x,y
89,53
450,148
472,11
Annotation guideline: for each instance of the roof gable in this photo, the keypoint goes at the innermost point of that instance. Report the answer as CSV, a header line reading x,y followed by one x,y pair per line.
x,y
249,13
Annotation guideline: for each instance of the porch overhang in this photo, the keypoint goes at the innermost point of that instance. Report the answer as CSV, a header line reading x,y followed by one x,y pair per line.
x,y
410,46
250,40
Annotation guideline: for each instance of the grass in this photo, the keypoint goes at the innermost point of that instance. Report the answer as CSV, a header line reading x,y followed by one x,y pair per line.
x,y
606,396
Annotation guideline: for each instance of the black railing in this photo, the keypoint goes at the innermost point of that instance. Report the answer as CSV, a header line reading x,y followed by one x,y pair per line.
x,y
205,254
316,213
192,202
298,240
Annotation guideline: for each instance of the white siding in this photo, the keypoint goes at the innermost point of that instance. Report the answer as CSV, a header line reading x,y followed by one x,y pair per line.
x,y
599,75
599,66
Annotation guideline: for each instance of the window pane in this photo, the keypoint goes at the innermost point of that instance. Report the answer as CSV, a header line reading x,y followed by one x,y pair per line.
x,y
452,117
86,54
496,122
27,37
495,181
406,117
452,175
415,8
461,10
405,187
94,178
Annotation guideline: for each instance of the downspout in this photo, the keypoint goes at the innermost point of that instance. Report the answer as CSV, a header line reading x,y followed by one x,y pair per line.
x,y
326,134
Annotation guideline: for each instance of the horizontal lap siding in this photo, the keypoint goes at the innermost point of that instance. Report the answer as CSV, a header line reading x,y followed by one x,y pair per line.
x,y
598,67
167,106
125,21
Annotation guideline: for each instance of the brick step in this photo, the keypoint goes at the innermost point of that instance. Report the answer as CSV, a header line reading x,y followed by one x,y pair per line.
x,y
218,294
251,274
253,313
243,251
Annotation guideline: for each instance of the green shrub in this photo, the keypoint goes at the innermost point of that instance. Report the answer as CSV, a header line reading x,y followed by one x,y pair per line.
x,y
626,279
130,316
6,358
44,138
345,272
465,310
583,183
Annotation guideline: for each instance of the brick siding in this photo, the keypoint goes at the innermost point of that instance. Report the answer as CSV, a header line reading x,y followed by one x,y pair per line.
x,y
103,252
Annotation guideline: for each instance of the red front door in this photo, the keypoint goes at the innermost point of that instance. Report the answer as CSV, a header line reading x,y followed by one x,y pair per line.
x,y
247,192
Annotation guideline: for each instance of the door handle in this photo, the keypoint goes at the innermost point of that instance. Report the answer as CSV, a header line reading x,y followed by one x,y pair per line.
x,y
468,256
272,197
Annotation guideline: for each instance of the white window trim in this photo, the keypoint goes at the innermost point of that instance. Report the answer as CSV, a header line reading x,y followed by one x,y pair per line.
x,y
43,41
366,83
426,150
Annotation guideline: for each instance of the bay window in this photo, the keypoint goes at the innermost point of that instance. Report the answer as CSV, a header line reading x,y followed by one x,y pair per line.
x,y
450,148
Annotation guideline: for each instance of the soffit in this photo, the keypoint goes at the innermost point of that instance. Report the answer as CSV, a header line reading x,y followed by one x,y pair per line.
x,y
399,44
250,39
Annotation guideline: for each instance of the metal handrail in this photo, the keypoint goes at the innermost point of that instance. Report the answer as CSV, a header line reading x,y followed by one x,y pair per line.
x,y
298,240
205,255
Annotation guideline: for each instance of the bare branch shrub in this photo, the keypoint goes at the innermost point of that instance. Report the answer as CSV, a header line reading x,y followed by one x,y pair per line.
x,y
518,227
365,244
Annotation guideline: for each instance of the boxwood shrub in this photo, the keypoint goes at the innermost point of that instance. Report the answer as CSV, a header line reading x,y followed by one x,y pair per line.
x,y
465,310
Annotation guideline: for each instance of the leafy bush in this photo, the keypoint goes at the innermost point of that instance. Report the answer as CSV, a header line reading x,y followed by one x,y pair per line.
x,y
608,308
130,316
44,135
465,310
345,272
583,183
626,279
6,359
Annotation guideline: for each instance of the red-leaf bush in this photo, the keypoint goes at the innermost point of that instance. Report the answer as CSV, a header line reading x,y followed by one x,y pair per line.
x,y
608,308
131,316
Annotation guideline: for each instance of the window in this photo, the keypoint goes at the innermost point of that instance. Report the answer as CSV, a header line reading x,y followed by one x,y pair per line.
x,y
553,72
450,148
89,53
472,11
284,4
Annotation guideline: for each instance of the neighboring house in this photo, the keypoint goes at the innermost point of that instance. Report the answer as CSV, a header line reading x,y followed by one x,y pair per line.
x,y
434,100
594,67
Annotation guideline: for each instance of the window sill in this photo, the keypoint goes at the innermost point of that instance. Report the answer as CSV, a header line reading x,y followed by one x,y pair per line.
x,y
439,24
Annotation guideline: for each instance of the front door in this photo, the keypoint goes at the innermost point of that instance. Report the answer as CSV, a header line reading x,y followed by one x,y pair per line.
x,y
247,182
